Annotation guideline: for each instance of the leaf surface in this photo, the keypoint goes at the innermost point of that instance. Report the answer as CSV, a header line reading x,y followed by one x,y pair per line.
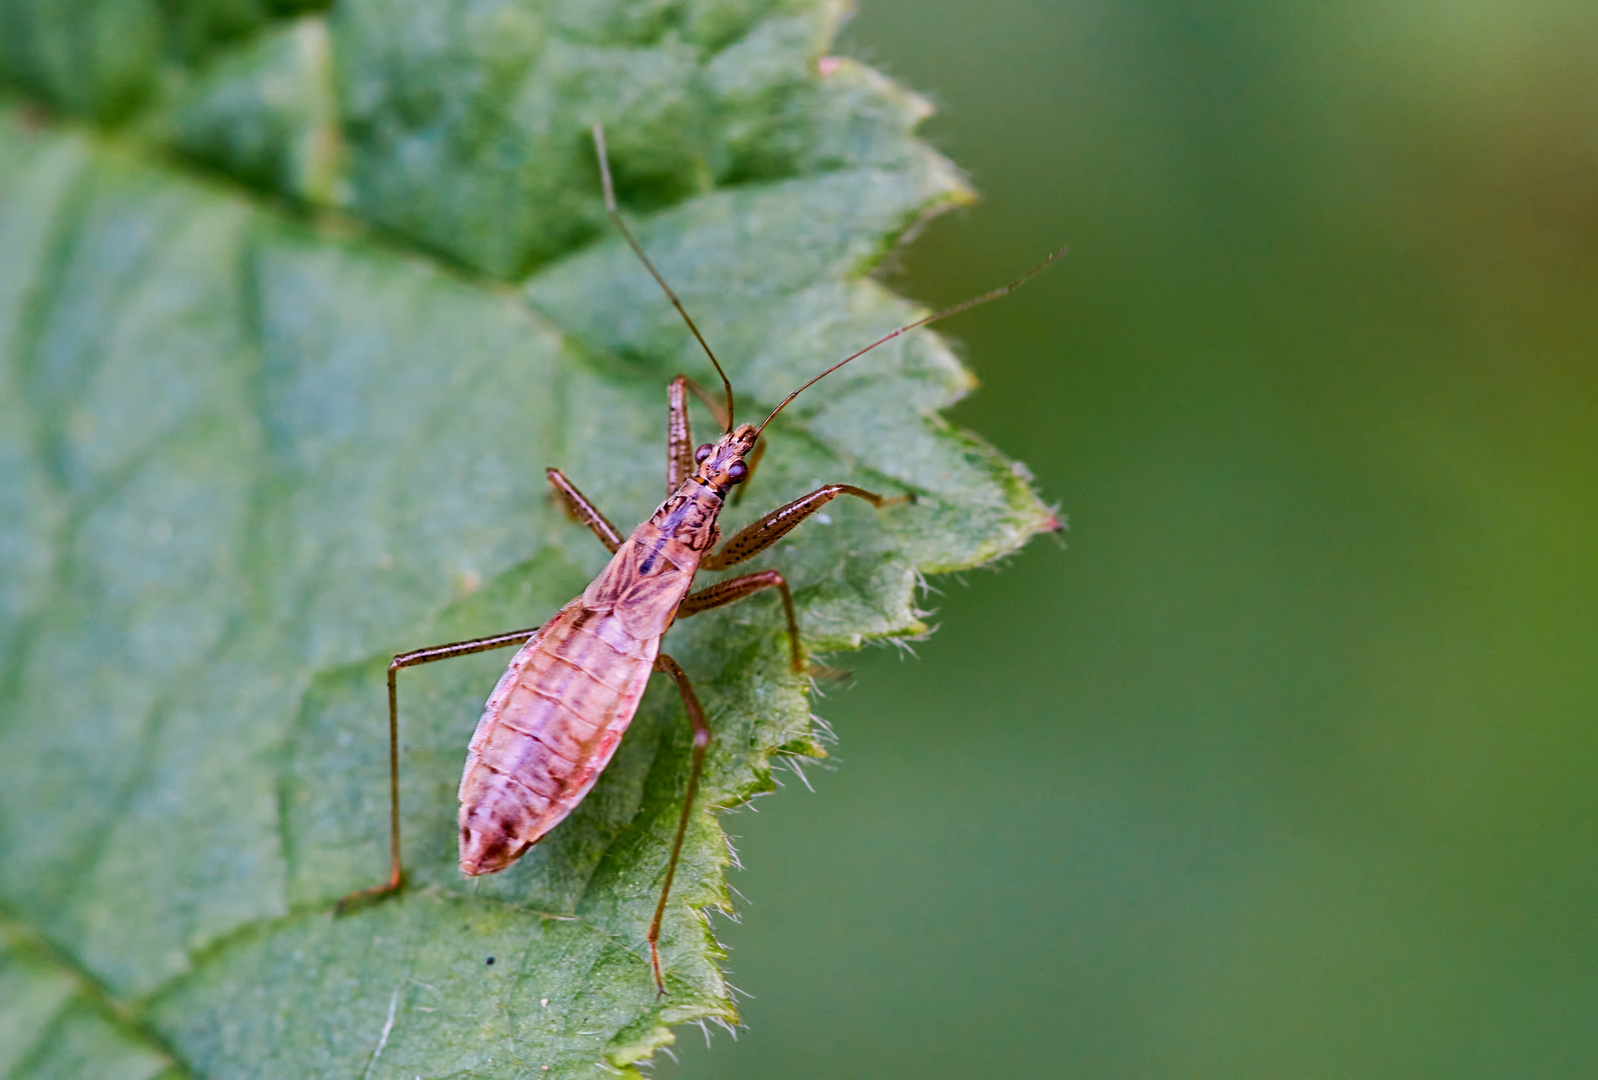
x,y
294,309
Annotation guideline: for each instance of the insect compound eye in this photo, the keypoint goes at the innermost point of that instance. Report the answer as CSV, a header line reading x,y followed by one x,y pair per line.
x,y
738,472
702,453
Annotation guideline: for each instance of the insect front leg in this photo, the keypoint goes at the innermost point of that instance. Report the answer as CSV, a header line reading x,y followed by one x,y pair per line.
x,y
756,537
725,592
679,432
679,435
396,872
579,507
702,734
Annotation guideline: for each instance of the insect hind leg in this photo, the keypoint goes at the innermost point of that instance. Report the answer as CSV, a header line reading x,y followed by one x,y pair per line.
x,y
396,871
702,737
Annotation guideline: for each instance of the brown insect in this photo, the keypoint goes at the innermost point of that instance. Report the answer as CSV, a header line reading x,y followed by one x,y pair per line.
x,y
558,713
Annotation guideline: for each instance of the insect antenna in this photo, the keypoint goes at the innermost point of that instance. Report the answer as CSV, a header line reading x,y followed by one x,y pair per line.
x,y
615,216
964,305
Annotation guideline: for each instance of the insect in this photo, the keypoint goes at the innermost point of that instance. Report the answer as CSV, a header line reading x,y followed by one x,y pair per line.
x,y
558,713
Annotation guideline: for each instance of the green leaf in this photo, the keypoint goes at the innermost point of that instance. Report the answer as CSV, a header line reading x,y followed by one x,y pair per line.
x,y
294,309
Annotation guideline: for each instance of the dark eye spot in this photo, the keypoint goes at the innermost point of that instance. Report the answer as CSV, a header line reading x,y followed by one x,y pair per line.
x,y
702,453
490,961
738,472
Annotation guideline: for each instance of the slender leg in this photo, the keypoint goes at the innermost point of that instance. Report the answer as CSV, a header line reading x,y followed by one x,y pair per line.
x,y
725,592
396,873
696,717
756,537
579,507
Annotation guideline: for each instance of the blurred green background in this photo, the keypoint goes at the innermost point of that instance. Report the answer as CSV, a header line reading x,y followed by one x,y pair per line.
x,y
1284,766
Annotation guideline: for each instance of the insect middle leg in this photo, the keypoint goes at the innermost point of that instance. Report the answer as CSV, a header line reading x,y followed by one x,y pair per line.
x,y
396,872
696,717
579,507
725,592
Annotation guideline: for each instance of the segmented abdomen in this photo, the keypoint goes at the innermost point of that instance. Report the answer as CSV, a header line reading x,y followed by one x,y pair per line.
x,y
550,727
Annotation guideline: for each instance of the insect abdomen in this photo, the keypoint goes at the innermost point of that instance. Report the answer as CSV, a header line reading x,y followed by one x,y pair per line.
x,y
548,730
